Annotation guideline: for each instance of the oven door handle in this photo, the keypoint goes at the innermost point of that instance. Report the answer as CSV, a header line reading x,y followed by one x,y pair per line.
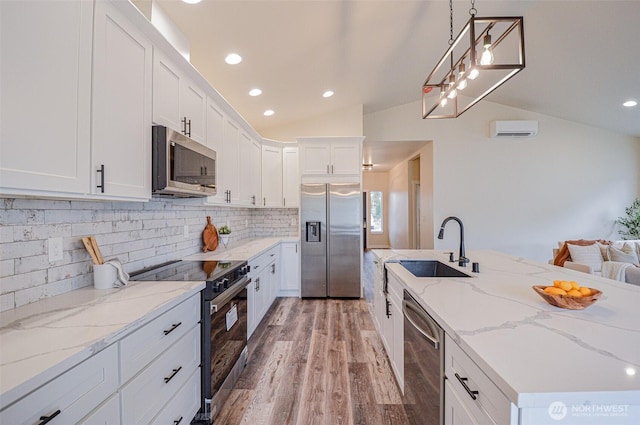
x,y
230,294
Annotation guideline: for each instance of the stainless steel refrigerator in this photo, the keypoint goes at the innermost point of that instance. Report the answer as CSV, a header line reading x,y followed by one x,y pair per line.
x,y
331,232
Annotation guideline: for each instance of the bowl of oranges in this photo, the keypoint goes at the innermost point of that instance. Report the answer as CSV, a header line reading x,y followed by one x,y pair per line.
x,y
568,294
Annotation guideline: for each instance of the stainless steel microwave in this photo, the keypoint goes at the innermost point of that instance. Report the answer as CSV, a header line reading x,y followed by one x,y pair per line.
x,y
181,166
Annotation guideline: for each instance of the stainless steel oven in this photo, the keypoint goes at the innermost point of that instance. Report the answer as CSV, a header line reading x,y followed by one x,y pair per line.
x,y
423,365
223,324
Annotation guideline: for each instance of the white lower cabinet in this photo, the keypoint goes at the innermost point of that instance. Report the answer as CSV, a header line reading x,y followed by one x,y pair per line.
x,y
289,269
476,393
262,292
71,396
392,327
161,385
186,400
455,412
148,392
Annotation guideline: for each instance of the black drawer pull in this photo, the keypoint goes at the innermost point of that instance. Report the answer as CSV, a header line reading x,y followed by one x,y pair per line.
x,y
173,328
177,421
174,372
463,381
47,419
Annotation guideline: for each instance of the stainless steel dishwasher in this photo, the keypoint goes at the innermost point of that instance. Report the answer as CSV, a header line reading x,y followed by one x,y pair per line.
x,y
423,365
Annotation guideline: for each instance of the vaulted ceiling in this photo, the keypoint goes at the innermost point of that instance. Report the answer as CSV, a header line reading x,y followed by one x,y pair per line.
x,y
582,56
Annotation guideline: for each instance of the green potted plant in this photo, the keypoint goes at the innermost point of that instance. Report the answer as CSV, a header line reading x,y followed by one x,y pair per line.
x,y
225,234
630,222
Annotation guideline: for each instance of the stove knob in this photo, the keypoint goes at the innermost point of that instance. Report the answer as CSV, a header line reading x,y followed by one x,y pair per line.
x,y
225,283
216,286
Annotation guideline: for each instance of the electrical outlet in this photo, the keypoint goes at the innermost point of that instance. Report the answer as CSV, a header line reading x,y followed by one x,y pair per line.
x,y
55,249
186,230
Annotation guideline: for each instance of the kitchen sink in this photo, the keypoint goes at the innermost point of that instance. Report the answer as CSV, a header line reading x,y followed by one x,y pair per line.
x,y
431,268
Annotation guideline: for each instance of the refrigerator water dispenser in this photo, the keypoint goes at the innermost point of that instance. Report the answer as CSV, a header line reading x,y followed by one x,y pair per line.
x,y
313,231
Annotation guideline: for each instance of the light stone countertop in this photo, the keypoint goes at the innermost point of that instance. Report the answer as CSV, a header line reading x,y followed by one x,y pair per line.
x,y
534,352
249,249
41,340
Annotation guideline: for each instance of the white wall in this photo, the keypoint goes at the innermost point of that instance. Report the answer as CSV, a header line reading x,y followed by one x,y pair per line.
x,y
377,181
345,122
519,196
399,206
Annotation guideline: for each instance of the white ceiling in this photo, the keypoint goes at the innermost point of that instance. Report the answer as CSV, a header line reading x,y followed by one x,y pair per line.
x,y
582,57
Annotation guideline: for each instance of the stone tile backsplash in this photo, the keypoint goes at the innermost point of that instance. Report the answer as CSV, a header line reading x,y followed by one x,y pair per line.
x,y
138,234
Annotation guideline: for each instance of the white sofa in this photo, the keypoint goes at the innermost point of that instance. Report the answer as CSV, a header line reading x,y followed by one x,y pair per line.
x,y
593,264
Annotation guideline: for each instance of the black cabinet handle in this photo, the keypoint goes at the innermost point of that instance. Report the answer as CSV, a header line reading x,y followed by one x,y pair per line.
x,y
173,328
101,185
388,308
177,421
463,381
189,132
174,372
47,419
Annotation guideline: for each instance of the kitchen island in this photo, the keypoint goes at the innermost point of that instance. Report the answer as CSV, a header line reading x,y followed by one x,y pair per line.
x,y
552,364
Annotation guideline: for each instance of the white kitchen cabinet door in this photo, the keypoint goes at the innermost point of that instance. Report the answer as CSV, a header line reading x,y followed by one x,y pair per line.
x,y
193,109
289,270
290,177
455,412
121,130
271,176
250,171
166,92
230,162
45,106
315,158
346,159
215,137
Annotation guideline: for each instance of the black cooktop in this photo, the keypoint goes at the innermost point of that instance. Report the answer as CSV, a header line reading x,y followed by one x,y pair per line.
x,y
209,271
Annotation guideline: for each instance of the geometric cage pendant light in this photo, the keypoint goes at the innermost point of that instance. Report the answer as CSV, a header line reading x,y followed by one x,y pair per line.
x,y
486,53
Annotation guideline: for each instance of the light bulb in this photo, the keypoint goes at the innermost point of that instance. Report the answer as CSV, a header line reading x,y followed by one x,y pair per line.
x,y
462,80
443,98
473,74
487,54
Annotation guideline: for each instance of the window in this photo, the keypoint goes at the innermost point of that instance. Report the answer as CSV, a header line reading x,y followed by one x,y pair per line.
x,y
375,202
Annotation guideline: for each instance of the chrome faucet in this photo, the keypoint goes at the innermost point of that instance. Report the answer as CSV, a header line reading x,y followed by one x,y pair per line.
x,y
462,261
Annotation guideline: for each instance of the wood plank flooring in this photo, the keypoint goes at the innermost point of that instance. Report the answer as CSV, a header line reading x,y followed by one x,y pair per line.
x,y
316,361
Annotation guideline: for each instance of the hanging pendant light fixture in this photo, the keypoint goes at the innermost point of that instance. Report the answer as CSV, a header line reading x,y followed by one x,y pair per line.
x,y
476,62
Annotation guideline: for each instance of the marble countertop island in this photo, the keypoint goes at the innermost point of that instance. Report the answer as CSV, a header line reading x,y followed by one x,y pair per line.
x,y
534,352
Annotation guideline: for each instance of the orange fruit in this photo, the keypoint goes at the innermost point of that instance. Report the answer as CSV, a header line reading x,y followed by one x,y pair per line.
x,y
566,285
556,283
585,291
555,291
574,285
574,293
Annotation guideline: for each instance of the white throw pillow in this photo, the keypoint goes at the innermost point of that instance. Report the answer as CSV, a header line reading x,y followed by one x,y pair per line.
x,y
625,255
589,255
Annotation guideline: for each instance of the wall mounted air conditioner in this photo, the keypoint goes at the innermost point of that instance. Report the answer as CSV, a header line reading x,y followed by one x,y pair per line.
x,y
513,128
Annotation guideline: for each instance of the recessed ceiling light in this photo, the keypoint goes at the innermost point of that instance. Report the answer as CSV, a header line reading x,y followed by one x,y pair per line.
x,y
255,92
268,113
328,93
192,1
630,103
233,59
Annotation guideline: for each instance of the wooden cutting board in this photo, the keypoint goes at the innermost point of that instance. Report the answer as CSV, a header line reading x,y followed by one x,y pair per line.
x,y
209,236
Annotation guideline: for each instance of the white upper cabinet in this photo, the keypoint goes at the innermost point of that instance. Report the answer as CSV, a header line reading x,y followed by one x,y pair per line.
x,y
250,190
290,177
215,136
121,125
331,156
45,81
271,176
230,163
177,102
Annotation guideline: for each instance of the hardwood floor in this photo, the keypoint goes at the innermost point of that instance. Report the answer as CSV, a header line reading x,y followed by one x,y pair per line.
x,y
316,361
